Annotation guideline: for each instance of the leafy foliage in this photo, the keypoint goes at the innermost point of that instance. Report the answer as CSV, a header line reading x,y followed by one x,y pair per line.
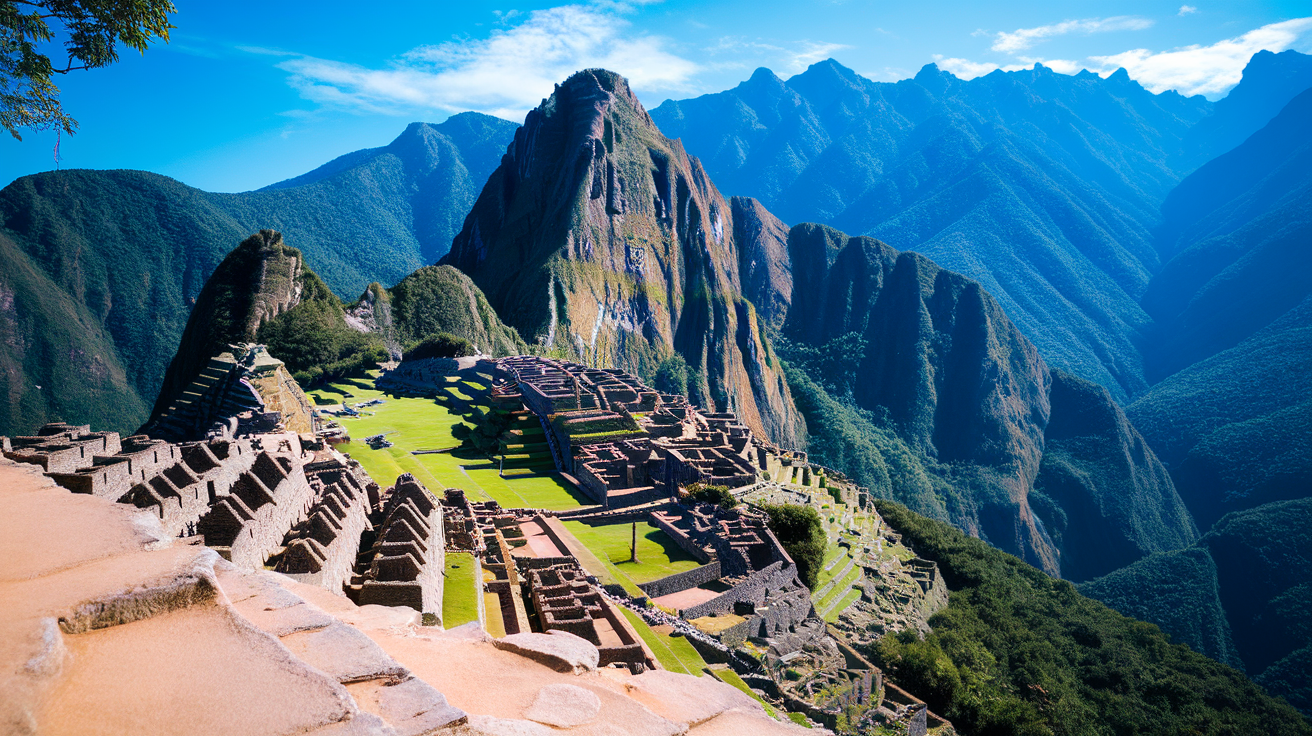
x,y
441,345
803,536
1019,652
719,495
28,95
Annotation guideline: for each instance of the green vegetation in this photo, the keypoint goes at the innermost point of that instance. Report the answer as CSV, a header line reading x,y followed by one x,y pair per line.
x,y
803,536
1019,652
658,555
673,652
1178,592
436,300
416,423
460,590
124,255
720,495
93,30
440,345
313,339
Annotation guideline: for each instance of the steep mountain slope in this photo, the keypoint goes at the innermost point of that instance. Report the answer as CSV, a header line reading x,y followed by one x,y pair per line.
x,y
1234,426
1042,187
133,249
264,291
1270,81
967,421
1253,568
601,239
57,362
1017,652
261,281
1236,429
1239,226
431,300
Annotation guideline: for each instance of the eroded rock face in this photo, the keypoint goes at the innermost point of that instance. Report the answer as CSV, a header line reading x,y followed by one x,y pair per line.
x,y
955,377
601,238
946,369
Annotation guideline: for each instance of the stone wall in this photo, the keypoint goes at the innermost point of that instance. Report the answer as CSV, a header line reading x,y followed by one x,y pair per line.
x,y
322,549
248,525
681,581
409,557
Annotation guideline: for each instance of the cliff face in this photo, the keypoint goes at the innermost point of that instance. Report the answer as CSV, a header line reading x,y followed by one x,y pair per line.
x,y
978,410
953,375
1117,502
259,280
600,239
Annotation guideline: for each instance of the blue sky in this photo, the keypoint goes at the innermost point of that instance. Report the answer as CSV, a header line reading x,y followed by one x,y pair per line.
x,y
250,93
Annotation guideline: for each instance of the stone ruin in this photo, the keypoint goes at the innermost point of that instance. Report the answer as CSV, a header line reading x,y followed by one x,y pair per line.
x,y
323,548
740,554
626,444
242,391
565,598
407,560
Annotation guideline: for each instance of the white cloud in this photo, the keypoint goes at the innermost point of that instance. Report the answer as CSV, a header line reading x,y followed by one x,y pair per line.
x,y
1192,70
1186,10
1024,38
813,52
506,74
1205,70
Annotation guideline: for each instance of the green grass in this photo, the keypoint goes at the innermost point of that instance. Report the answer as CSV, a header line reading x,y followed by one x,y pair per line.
x,y
842,585
729,677
417,423
852,595
673,652
461,590
658,555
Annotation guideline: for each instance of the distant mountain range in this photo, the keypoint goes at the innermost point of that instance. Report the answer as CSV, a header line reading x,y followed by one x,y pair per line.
x,y
1041,186
124,254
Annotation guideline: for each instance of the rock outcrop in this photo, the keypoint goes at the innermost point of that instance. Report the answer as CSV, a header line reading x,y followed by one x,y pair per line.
x,y
601,239
964,391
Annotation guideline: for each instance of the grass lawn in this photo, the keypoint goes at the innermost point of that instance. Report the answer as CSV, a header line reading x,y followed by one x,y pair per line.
x,y
460,592
658,555
847,600
417,423
673,652
729,677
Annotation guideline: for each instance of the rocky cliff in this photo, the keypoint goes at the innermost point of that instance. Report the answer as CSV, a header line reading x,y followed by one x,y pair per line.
x,y
259,280
977,413
601,239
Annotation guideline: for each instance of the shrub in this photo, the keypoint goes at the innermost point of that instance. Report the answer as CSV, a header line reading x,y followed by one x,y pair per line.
x,y
440,345
800,532
712,494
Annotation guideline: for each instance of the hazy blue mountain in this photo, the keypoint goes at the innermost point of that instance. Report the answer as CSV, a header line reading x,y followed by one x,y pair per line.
x,y
1270,81
1042,187
132,250
1239,227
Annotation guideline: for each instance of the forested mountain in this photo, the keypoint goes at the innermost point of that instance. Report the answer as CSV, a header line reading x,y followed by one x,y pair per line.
x,y
913,379
1238,227
598,238
1238,595
1043,187
128,252
264,292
